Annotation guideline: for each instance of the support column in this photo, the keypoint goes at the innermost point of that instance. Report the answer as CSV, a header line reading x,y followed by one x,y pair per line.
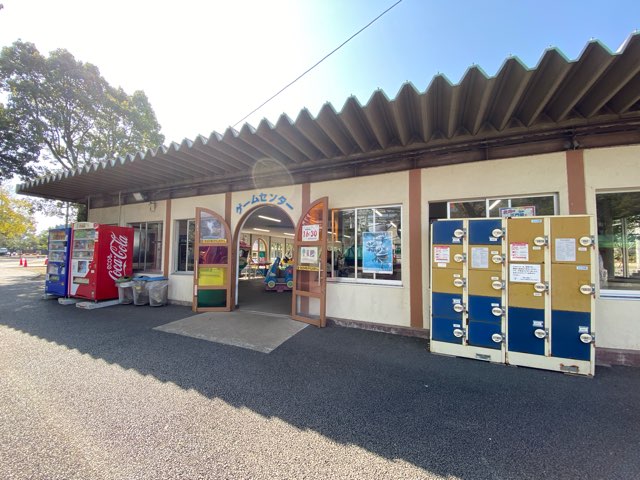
x,y
167,238
576,183
415,249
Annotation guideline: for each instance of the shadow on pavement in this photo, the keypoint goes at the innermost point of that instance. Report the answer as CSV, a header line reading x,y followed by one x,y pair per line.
x,y
384,393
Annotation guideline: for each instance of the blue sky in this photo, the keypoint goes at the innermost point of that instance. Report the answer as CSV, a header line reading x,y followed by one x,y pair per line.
x,y
205,65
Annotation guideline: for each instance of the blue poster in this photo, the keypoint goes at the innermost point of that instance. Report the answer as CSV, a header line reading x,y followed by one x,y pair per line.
x,y
377,252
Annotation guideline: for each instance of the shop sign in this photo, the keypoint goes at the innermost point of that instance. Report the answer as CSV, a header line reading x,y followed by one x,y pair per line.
x,y
518,211
262,197
377,252
308,254
310,233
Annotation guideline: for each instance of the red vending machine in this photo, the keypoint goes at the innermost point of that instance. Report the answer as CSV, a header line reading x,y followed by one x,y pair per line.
x,y
100,254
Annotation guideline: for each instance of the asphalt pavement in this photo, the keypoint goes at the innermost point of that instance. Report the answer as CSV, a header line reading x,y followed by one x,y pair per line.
x,y
100,394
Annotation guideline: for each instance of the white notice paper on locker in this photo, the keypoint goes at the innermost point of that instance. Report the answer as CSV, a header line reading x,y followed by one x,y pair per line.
x,y
479,257
565,249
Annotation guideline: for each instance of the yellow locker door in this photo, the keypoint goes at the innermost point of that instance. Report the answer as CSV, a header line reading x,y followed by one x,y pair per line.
x,y
485,283
566,283
447,256
447,280
521,237
566,233
485,257
522,282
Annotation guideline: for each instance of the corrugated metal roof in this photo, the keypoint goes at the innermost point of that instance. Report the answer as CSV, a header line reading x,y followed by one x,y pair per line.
x,y
599,86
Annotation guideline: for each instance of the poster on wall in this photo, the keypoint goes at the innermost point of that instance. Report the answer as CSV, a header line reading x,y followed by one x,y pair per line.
x,y
377,256
308,254
518,212
211,230
310,233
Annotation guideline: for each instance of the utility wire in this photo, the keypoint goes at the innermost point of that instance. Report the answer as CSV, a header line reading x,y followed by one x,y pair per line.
x,y
316,64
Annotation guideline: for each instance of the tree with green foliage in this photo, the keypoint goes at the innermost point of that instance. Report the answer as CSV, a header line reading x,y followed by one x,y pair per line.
x,y
16,219
62,110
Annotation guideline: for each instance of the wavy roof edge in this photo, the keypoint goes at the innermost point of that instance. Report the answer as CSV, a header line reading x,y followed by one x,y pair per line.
x,y
407,88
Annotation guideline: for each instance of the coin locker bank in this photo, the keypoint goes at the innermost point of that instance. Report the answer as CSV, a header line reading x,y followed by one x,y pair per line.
x,y
519,291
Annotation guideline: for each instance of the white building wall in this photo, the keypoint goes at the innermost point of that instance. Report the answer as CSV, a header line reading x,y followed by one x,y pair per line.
x,y
610,170
365,302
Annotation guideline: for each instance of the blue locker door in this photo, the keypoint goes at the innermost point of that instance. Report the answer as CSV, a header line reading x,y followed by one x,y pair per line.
x,y
480,308
566,328
443,232
480,231
442,330
442,305
522,324
480,334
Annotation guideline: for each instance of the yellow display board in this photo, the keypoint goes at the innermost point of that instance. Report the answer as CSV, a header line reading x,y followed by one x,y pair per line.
x,y
212,276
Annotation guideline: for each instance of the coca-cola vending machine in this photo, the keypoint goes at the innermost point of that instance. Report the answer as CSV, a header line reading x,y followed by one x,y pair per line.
x,y
100,254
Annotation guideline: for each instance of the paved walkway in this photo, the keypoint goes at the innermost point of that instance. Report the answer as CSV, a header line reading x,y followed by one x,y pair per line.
x,y
100,394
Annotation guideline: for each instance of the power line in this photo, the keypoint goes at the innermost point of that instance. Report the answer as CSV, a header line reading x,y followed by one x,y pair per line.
x,y
316,64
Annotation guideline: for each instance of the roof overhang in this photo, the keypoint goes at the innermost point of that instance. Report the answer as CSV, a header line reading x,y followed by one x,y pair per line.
x,y
557,105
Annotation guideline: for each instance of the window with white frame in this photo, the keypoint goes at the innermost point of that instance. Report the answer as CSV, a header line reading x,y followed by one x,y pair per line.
x,y
184,241
364,245
147,246
500,207
618,217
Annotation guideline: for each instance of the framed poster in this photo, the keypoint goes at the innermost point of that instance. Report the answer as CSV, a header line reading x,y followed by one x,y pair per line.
x,y
377,252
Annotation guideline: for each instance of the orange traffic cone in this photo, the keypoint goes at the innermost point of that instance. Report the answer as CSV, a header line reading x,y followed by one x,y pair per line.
x,y
21,264
25,262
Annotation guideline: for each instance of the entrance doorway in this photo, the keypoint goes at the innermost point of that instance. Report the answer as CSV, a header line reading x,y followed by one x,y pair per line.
x,y
265,246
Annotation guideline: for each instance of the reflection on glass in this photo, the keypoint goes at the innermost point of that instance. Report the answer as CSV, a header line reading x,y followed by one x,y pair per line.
x,y
467,209
210,255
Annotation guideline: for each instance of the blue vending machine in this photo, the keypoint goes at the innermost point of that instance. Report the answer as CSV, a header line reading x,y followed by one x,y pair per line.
x,y
58,266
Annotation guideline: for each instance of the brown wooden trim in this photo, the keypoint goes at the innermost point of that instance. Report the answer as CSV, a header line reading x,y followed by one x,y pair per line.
x,y
415,249
379,327
576,182
167,238
233,243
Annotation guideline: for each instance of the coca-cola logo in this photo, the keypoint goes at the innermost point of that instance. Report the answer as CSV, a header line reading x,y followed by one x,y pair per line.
x,y
117,258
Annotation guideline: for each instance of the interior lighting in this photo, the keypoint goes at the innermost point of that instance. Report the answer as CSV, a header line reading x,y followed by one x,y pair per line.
x,y
347,236
270,218
493,205
377,212
289,234
393,225
261,230
138,196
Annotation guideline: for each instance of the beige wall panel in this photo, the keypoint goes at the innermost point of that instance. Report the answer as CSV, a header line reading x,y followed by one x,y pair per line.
x,y
614,169
107,216
143,212
368,303
493,178
389,305
181,287
617,324
185,208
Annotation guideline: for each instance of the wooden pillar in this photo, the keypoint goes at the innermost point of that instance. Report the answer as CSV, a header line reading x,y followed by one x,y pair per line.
x,y
576,183
167,238
415,249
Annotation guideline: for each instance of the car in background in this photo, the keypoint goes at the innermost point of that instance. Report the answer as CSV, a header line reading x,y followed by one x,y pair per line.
x,y
4,251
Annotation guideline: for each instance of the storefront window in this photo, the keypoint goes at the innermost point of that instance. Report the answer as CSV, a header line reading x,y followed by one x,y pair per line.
x,y
364,245
147,246
619,240
496,207
185,230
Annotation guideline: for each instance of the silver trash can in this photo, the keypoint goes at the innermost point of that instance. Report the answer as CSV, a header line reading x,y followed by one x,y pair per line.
x,y
158,291
125,292
140,291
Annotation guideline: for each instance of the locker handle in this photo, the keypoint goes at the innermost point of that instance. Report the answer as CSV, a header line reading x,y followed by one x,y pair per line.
x,y
459,257
459,282
497,338
588,338
588,289
587,241
541,241
458,332
459,307
497,311
541,287
459,232
497,285
497,232
497,259
540,333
